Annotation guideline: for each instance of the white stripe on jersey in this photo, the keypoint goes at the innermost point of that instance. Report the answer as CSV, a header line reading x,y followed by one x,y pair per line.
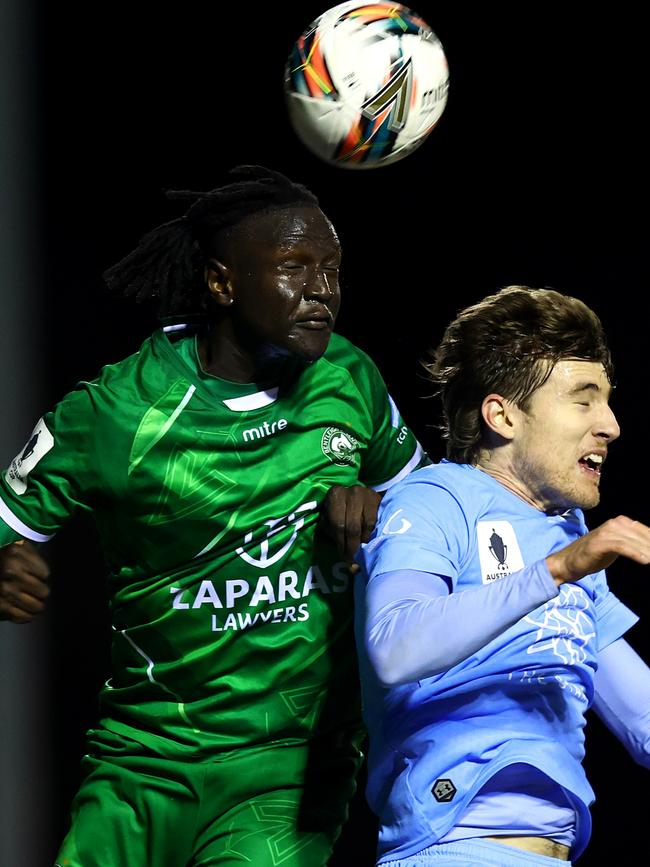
x,y
17,525
252,401
394,412
163,430
415,460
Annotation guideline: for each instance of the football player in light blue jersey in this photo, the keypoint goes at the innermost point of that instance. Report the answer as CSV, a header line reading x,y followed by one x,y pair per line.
x,y
485,624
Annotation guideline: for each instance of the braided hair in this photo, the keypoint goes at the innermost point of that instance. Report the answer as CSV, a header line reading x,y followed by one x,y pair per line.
x,y
167,265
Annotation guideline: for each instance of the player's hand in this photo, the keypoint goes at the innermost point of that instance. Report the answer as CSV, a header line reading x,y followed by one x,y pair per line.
x,y
349,516
598,549
23,582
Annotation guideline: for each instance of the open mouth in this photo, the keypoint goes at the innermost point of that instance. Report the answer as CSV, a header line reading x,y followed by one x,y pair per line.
x,y
592,463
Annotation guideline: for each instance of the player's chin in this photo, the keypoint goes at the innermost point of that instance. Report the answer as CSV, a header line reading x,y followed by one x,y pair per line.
x,y
588,498
310,345
592,501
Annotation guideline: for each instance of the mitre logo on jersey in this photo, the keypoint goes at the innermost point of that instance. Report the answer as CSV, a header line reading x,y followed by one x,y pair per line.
x,y
499,551
38,445
339,447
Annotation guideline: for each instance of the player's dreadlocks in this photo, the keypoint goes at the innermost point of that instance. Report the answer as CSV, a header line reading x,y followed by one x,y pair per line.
x,y
168,263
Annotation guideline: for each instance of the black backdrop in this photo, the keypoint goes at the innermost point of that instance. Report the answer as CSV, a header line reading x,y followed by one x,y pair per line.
x,y
536,174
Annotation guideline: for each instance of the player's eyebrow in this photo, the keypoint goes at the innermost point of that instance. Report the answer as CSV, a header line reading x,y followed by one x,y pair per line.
x,y
588,386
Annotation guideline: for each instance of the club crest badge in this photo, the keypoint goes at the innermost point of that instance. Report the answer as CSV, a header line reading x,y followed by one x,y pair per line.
x,y
340,447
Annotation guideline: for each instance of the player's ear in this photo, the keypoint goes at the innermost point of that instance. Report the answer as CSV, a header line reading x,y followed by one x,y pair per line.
x,y
499,415
217,279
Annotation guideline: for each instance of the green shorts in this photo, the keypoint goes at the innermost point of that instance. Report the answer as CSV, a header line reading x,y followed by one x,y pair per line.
x,y
276,805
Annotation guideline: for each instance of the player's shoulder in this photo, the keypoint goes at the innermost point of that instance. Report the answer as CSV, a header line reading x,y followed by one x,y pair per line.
x,y
351,360
341,351
117,386
444,473
140,376
444,481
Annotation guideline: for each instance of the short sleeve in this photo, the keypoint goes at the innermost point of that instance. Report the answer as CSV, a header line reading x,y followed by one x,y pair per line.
x,y
393,451
420,526
51,477
613,618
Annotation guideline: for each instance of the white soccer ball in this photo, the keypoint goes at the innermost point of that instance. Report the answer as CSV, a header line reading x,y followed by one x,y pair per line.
x,y
365,84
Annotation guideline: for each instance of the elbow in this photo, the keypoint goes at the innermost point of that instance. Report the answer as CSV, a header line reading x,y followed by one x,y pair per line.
x,y
389,679
392,666
638,740
640,752
383,667
384,663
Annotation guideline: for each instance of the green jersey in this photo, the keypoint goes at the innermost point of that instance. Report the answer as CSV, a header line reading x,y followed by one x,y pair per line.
x,y
231,612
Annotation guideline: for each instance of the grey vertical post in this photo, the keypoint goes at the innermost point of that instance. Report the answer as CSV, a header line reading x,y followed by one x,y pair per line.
x,y
25,785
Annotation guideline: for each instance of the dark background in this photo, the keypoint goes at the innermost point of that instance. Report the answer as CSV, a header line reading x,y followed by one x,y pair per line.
x,y
536,174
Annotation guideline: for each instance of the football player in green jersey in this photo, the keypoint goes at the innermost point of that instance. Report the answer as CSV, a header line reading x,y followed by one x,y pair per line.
x,y
230,726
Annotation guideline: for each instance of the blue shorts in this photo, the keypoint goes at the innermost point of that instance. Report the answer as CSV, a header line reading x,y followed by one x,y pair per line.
x,y
475,853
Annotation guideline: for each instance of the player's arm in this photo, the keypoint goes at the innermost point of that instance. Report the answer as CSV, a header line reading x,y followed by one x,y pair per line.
x,y
622,698
622,681
349,516
23,582
415,628
599,548
47,482
393,450
410,621
404,609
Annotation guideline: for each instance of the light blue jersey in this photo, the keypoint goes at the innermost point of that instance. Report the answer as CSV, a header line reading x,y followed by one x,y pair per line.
x,y
521,698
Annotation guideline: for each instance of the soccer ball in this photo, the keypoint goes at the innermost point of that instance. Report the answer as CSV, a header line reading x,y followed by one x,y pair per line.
x,y
365,84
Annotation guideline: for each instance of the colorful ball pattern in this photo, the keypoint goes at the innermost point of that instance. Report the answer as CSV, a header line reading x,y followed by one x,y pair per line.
x,y
365,84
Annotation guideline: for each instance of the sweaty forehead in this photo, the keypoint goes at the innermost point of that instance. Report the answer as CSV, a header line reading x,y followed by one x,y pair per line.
x,y
287,226
571,373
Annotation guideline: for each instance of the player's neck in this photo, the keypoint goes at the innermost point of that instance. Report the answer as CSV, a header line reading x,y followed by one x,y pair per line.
x,y
502,473
220,355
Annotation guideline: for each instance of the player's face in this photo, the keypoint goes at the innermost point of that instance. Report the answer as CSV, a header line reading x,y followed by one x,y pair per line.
x,y
284,274
561,441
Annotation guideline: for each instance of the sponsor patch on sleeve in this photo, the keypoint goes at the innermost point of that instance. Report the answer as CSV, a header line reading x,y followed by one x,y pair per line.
x,y
38,445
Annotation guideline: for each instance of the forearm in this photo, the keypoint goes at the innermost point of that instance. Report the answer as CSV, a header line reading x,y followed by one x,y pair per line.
x,y
415,628
622,698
